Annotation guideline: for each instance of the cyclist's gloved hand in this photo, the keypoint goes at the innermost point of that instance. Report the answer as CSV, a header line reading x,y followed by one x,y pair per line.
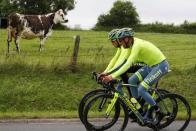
x,y
107,79
101,75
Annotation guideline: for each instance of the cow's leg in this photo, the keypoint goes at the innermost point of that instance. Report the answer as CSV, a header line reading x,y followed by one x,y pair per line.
x,y
42,42
9,39
17,38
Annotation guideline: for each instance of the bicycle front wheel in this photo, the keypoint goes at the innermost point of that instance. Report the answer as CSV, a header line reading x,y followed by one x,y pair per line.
x,y
95,114
86,99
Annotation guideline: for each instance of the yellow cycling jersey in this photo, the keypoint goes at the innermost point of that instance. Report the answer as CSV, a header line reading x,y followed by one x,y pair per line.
x,y
114,59
120,57
141,52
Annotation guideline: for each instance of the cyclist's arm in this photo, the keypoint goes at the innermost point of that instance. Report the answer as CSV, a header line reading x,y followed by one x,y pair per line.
x,y
131,60
113,61
125,53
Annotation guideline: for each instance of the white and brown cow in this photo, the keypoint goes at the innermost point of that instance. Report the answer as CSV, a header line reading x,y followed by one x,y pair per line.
x,y
32,26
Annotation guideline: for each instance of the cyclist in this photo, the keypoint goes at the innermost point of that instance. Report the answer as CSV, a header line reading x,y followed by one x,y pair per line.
x,y
119,59
116,44
145,52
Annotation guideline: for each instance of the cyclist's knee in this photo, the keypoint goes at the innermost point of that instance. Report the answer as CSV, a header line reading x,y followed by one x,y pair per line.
x,y
142,88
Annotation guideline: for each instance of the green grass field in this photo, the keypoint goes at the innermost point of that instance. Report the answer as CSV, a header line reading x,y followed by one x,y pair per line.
x,y
42,82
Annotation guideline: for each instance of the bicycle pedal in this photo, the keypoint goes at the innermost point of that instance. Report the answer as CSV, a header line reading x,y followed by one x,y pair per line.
x,y
148,121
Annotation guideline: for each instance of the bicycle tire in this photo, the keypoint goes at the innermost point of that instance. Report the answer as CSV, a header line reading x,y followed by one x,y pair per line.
x,y
85,99
162,124
89,96
119,103
186,104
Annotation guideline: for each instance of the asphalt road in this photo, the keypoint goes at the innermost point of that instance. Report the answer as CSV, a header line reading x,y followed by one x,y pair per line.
x,y
71,125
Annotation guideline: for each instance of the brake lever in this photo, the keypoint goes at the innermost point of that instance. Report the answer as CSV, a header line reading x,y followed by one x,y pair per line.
x,y
94,76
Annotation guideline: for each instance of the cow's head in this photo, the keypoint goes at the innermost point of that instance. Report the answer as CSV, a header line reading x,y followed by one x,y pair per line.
x,y
59,17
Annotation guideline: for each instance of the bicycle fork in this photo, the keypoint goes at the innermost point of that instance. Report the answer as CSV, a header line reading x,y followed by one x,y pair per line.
x,y
111,105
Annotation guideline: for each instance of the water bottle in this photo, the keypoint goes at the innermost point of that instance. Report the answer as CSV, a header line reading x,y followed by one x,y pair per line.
x,y
135,103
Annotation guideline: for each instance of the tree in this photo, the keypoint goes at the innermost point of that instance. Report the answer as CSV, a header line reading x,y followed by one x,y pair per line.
x,y
34,6
6,7
122,14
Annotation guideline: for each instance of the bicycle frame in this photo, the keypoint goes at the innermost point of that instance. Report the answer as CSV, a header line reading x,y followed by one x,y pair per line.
x,y
127,102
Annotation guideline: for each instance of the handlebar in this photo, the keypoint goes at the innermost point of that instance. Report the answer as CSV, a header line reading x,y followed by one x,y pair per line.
x,y
98,79
96,76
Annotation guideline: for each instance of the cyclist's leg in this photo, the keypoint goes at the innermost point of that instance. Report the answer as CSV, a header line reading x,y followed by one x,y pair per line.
x,y
125,76
156,73
136,78
132,69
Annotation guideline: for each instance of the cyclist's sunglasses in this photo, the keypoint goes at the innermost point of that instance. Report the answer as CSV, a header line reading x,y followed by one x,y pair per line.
x,y
123,39
115,42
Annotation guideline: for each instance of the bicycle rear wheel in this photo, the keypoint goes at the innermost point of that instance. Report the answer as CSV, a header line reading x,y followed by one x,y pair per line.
x,y
168,112
95,117
166,121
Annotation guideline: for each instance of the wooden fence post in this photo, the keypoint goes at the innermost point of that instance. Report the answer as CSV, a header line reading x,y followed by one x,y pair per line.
x,y
75,53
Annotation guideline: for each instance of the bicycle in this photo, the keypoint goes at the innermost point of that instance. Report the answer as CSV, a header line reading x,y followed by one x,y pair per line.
x,y
87,97
115,99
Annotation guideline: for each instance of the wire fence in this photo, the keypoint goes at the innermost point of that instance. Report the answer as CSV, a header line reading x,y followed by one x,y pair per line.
x,y
35,54
97,51
80,56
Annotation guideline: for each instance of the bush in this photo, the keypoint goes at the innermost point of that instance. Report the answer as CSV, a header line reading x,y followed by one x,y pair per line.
x,y
189,27
158,27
